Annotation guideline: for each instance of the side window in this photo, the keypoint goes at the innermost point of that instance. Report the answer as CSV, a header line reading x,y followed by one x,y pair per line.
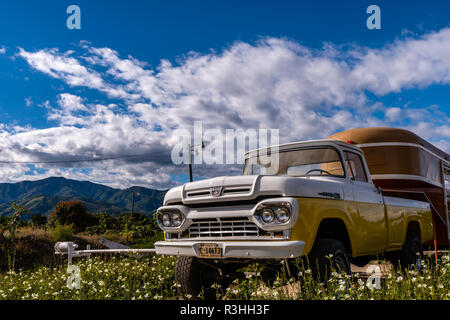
x,y
355,166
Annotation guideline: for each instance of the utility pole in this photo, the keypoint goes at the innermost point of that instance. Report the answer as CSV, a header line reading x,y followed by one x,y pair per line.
x,y
190,163
191,148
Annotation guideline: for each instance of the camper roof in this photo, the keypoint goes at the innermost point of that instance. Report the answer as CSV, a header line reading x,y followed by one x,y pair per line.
x,y
383,136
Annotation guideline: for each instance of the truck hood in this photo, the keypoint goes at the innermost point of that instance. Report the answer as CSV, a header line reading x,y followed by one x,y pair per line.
x,y
238,188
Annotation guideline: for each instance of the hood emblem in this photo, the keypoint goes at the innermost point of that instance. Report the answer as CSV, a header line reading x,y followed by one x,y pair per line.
x,y
216,191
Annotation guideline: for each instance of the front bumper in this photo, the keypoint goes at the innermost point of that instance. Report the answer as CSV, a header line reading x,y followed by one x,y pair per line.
x,y
235,249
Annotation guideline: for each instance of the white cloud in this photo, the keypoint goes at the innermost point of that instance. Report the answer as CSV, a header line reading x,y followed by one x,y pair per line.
x,y
62,66
28,102
251,85
405,64
65,67
274,83
70,102
393,114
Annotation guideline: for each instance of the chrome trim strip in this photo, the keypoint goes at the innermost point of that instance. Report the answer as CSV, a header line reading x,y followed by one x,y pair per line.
x,y
401,202
236,249
239,238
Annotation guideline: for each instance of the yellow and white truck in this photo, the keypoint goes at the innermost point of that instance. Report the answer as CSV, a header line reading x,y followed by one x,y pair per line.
x,y
316,200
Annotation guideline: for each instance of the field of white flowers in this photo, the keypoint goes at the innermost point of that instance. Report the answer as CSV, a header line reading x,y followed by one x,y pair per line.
x,y
153,278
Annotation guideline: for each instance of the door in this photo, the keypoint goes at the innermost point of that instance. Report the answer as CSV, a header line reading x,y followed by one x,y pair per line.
x,y
371,227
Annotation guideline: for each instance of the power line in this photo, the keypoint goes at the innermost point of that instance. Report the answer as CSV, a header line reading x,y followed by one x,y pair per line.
x,y
76,160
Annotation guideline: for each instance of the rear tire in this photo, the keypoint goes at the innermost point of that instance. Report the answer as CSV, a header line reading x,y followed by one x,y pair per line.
x,y
326,256
410,255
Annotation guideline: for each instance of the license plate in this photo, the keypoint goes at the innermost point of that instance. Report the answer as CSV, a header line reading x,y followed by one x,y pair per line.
x,y
209,250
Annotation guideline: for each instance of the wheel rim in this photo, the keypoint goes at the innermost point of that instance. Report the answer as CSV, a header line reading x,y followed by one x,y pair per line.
x,y
418,256
418,263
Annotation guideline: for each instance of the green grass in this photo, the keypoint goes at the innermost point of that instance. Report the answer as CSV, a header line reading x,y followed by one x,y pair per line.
x,y
115,278
153,278
429,284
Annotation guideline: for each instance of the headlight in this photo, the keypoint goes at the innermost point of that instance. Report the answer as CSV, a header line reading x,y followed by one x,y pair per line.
x,y
176,219
272,214
165,220
267,215
282,214
170,218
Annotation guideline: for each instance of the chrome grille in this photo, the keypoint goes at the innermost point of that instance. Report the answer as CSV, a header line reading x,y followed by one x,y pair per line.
x,y
223,227
233,190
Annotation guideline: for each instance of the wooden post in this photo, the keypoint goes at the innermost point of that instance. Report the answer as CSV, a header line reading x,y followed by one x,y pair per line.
x,y
69,254
88,247
434,240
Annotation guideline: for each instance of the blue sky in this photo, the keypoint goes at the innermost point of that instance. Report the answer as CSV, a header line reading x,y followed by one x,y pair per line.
x,y
137,70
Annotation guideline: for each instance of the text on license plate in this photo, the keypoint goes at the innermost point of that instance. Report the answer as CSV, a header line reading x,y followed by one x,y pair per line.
x,y
209,250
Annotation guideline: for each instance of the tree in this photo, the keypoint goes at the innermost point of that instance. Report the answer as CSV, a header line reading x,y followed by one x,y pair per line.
x,y
72,213
8,233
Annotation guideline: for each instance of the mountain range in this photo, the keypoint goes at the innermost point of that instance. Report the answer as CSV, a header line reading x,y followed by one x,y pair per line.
x,y
40,196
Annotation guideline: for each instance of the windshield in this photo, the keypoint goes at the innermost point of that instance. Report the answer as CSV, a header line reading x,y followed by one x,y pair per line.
x,y
304,162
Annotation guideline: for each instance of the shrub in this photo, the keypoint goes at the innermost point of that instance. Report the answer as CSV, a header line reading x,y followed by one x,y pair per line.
x,y
74,213
62,233
139,226
93,230
38,220
108,222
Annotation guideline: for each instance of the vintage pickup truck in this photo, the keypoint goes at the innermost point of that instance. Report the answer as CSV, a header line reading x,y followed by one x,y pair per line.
x,y
317,200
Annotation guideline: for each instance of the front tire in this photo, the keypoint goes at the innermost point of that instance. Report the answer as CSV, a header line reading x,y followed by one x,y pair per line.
x,y
195,277
326,256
